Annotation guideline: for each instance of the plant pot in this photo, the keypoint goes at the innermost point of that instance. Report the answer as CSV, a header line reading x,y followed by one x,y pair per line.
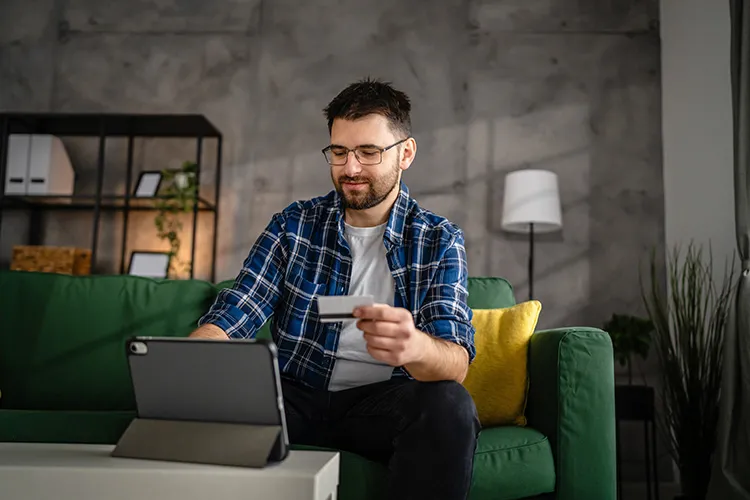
x,y
183,179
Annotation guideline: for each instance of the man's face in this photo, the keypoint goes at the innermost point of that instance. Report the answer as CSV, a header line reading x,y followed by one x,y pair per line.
x,y
365,186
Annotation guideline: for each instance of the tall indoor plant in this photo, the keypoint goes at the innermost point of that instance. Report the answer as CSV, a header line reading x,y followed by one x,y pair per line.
x,y
689,320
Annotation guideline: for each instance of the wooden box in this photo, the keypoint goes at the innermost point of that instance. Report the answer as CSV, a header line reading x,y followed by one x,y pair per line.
x,y
63,260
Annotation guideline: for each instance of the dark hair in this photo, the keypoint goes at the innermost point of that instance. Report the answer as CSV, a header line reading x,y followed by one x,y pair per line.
x,y
369,96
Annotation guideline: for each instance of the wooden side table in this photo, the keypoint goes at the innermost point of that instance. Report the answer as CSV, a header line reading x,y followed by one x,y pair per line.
x,y
636,403
32,471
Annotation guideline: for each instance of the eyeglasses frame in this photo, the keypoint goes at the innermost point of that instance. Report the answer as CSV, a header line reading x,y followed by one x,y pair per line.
x,y
354,150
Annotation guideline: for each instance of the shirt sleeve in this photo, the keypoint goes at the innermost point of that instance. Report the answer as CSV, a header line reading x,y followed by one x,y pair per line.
x,y
243,309
445,313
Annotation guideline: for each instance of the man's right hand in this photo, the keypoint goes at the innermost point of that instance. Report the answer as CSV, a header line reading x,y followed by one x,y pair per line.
x,y
209,331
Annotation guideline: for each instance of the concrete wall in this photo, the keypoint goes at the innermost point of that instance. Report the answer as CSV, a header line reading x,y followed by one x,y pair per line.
x,y
566,85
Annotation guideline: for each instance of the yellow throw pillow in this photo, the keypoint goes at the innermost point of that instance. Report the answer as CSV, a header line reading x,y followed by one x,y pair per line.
x,y
497,378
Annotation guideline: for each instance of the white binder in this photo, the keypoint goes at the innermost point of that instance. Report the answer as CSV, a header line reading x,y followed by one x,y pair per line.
x,y
18,163
38,164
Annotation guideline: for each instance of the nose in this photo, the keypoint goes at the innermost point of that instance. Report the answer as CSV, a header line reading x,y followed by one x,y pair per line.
x,y
352,167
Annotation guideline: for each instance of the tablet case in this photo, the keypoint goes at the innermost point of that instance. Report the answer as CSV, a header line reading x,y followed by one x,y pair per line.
x,y
198,442
164,435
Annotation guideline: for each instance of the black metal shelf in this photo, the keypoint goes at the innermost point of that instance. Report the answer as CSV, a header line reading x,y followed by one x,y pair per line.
x,y
104,126
87,202
111,124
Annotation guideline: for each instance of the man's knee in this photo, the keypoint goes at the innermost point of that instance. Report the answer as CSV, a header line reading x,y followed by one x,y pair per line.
x,y
447,405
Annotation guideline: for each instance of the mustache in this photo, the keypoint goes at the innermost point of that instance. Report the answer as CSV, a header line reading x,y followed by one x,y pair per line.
x,y
353,179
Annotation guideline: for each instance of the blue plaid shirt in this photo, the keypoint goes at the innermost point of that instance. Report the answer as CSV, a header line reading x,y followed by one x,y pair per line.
x,y
303,253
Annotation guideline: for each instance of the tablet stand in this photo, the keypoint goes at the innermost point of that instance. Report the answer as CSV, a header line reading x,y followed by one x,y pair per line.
x,y
198,442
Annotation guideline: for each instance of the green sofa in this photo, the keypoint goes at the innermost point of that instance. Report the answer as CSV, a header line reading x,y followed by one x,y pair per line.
x,y
63,378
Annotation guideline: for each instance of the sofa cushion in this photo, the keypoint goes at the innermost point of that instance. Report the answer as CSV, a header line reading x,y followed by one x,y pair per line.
x,y
512,462
63,337
497,379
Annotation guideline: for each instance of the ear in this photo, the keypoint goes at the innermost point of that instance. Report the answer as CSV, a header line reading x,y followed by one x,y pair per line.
x,y
408,152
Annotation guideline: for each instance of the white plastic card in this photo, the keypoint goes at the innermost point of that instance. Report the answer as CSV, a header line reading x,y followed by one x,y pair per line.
x,y
340,308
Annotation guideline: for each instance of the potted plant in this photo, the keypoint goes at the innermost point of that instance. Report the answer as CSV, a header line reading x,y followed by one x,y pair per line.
x,y
689,322
630,336
177,197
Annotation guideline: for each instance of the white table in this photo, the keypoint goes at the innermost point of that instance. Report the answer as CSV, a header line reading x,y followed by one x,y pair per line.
x,y
30,471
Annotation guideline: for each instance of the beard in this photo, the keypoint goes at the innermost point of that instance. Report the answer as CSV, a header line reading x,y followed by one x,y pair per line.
x,y
376,191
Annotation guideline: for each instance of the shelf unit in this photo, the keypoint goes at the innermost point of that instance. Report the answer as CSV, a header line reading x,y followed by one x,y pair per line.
x,y
104,126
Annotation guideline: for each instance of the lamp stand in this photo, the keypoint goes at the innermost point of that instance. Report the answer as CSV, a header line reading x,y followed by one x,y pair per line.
x,y
531,261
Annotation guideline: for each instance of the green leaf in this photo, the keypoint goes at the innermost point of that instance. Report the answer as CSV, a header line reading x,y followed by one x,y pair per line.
x,y
630,335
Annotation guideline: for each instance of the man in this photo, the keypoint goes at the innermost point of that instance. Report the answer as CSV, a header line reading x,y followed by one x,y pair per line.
x,y
388,384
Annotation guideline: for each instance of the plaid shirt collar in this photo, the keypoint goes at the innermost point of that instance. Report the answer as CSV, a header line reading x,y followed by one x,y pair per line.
x,y
394,231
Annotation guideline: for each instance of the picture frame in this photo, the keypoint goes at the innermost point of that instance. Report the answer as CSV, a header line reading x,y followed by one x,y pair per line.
x,y
149,264
148,185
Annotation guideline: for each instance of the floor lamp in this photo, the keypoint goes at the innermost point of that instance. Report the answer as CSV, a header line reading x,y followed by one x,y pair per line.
x,y
531,205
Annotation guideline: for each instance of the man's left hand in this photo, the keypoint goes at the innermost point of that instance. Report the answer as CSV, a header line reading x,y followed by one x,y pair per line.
x,y
390,334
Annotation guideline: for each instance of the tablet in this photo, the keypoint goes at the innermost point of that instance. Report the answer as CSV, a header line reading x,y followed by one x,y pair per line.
x,y
207,380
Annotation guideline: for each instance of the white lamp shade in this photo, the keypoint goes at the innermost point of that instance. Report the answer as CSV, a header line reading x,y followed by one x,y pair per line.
x,y
531,196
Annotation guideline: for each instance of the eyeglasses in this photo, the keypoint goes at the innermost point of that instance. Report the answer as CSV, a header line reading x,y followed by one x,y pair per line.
x,y
366,155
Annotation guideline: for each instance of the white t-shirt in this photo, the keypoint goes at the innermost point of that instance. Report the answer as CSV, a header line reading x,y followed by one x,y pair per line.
x,y
370,276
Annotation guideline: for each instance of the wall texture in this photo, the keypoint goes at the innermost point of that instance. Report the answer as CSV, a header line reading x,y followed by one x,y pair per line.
x,y
571,86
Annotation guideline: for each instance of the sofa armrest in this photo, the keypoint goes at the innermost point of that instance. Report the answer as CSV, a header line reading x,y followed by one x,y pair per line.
x,y
571,400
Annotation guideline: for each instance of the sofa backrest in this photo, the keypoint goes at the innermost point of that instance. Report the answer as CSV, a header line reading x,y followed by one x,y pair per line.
x,y
62,338
490,293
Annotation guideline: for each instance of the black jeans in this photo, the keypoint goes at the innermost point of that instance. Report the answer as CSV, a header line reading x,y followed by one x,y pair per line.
x,y
425,432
